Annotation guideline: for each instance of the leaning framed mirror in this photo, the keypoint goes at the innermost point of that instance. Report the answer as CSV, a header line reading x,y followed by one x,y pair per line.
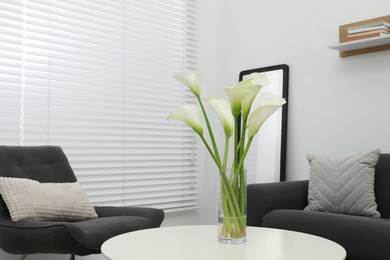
x,y
267,160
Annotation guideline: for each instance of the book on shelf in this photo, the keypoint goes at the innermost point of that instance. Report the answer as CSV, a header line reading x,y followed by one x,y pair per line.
x,y
384,26
359,36
372,24
380,31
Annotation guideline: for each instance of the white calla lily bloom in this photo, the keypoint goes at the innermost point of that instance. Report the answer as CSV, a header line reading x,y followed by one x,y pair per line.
x,y
190,80
191,115
222,108
248,98
268,104
259,78
240,91
235,95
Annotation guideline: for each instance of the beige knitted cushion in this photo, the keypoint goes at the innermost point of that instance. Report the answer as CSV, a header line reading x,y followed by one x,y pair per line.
x,y
30,200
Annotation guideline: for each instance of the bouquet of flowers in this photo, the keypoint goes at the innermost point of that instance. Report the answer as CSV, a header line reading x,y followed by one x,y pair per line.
x,y
240,118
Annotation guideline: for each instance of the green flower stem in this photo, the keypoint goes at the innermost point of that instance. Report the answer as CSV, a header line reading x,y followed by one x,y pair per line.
x,y
225,156
210,130
227,225
231,198
242,159
235,156
234,181
217,162
242,139
241,168
232,222
239,177
240,189
242,192
236,152
239,153
235,217
238,226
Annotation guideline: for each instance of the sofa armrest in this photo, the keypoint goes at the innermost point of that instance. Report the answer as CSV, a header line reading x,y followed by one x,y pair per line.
x,y
155,215
265,197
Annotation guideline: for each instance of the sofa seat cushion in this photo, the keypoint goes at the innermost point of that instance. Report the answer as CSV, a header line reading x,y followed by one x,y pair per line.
x,y
84,231
82,237
362,237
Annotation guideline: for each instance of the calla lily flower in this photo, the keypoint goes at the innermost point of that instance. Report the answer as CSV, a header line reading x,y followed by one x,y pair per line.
x,y
190,80
259,78
235,95
222,108
247,99
239,91
191,115
268,104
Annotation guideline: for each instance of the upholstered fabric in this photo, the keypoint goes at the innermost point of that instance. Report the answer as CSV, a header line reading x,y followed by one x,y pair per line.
x,y
30,200
80,238
285,195
49,164
382,184
343,184
40,163
273,204
364,238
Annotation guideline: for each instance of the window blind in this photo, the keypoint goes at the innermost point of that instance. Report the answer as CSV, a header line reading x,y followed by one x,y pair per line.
x,y
95,77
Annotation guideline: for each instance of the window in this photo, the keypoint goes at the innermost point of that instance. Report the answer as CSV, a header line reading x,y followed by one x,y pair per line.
x,y
95,77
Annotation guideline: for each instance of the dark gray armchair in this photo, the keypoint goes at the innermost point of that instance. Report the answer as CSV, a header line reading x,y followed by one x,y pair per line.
x,y
49,164
280,205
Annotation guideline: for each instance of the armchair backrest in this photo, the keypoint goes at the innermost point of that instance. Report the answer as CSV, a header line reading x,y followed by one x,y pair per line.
x,y
40,163
382,185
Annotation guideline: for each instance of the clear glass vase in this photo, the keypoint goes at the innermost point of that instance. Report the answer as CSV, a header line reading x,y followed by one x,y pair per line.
x,y
232,206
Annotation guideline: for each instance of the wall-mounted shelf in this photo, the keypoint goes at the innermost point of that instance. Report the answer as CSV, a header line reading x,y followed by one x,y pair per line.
x,y
379,43
364,43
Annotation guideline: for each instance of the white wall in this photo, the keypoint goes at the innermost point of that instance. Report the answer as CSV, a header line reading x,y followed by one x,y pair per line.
x,y
336,104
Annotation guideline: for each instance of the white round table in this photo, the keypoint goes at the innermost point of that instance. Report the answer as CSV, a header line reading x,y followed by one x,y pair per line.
x,y
201,243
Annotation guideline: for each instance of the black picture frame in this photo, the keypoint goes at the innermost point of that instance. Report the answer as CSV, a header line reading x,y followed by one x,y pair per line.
x,y
285,88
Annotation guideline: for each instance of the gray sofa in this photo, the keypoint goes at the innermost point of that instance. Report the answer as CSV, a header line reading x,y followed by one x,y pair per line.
x,y
280,205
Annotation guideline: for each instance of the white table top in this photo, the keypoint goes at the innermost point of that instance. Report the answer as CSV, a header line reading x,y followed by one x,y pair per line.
x,y
201,243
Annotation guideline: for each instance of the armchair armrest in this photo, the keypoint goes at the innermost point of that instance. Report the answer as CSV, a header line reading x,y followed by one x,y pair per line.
x,y
155,215
265,197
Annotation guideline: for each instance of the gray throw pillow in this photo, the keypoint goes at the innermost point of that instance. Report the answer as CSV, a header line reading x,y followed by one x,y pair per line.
x,y
30,200
343,184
